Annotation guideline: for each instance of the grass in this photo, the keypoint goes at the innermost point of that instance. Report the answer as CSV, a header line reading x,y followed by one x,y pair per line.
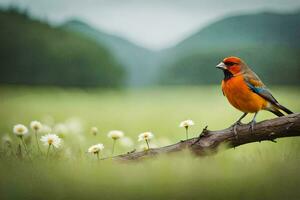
x,y
254,171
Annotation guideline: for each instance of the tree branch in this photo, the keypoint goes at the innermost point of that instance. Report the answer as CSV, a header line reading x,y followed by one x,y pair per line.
x,y
209,141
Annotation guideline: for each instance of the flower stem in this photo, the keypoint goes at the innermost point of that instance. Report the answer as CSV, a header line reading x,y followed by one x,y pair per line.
x,y
187,132
98,156
113,147
147,144
48,151
25,146
37,142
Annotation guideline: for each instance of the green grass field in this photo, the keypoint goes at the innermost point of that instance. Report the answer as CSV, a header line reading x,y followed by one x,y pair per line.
x,y
255,171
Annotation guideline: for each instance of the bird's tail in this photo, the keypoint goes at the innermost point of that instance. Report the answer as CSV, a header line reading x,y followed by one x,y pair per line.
x,y
276,112
275,109
281,107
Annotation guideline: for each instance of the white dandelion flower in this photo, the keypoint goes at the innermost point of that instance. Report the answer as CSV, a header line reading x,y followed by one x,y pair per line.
x,y
20,130
126,142
115,134
94,130
186,123
145,136
96,148
36,126
51,139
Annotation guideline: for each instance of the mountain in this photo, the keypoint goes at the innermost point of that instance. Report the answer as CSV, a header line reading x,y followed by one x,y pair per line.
x,y
32,52
268,42
140,63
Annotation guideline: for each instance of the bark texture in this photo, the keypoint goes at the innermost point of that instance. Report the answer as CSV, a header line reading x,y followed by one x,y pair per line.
x,y
209,141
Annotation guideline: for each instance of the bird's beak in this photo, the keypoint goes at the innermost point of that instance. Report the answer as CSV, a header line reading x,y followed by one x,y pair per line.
x,y
221,65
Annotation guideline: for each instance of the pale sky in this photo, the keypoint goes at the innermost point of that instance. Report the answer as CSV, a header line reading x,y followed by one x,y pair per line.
x,y
154,24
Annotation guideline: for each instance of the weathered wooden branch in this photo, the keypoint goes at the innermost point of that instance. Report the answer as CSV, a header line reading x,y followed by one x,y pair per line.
x,y
209,141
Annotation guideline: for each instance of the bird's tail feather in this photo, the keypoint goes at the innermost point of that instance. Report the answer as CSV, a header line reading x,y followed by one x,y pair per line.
x,y
276,112
281,107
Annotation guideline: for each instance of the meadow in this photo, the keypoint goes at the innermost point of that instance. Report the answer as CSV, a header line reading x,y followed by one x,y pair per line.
x,y
254,171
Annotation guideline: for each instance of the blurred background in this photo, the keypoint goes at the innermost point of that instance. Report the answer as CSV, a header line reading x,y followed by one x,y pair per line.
x,y
136,66
140,43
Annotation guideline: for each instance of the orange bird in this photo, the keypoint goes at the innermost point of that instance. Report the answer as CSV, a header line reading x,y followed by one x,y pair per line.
x,y
246,92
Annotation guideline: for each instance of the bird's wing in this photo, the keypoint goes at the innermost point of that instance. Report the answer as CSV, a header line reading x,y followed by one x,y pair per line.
x,y
258,87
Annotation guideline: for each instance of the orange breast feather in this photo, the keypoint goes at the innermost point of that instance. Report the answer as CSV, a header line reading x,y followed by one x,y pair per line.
x,y
241,97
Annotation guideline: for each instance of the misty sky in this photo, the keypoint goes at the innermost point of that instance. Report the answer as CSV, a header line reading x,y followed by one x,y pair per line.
x,y
154,24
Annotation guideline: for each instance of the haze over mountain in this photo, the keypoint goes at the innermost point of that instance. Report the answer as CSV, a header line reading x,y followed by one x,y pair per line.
x,y
140,63
269,42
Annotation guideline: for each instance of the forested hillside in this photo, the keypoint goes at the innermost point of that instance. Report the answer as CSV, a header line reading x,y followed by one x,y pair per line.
x,y
34,53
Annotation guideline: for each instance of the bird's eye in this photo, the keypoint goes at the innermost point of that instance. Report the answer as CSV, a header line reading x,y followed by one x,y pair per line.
x,y
228,63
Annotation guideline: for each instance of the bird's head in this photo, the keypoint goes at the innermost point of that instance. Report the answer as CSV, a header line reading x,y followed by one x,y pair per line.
x,y
232,66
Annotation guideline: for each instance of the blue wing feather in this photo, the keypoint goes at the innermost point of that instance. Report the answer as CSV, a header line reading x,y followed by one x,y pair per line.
x,y
263,92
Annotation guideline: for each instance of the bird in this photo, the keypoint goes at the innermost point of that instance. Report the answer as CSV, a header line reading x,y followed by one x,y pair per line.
x,y
246,92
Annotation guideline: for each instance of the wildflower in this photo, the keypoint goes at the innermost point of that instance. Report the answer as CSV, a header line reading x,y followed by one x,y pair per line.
x,y
126,142
20,130
51,140
94,130
96,149
145,136
115,135
186,124
36,126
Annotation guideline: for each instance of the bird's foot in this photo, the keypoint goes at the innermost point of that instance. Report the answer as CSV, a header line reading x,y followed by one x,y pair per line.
x,y
234,126
252,124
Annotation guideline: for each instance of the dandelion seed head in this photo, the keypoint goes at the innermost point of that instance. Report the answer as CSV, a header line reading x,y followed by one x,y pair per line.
x,y
115,134
36,126
145,136
51,139
186,123
96,148
20,130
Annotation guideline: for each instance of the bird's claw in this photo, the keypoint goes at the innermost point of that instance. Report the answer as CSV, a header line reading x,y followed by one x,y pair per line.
x,y
252,123
234,126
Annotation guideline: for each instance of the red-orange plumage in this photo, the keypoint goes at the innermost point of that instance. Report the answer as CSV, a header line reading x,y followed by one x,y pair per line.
x,y
245,91
241,97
